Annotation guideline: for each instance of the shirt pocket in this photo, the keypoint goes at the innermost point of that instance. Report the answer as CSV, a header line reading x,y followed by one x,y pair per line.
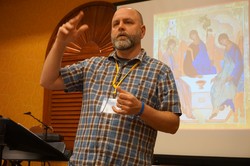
x,y
145,91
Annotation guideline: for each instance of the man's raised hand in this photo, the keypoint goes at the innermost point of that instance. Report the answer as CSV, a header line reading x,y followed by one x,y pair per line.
x,y
68,31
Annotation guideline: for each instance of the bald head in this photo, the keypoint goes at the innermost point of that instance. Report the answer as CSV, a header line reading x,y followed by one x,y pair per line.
x,y
129,12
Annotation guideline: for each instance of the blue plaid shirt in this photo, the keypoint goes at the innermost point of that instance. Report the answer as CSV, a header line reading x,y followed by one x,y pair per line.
x,y
113,139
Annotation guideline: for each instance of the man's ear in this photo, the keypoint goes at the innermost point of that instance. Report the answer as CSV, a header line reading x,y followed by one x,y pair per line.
x,y
143,31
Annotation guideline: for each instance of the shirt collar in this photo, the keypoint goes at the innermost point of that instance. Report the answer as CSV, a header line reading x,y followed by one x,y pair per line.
x,y
113,55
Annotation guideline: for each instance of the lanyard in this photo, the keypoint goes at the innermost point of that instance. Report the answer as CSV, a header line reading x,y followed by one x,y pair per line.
x,y
115,84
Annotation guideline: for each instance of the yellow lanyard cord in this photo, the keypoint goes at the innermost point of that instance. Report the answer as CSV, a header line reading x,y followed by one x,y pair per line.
x,y
115,84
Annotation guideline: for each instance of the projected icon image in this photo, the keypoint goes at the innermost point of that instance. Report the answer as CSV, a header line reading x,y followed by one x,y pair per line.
x,y
208,54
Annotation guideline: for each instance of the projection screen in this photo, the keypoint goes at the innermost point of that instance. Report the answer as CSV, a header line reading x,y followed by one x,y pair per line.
x,y
214,90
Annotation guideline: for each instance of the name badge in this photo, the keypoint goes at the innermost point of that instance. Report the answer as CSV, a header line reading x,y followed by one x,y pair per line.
x,y
107,105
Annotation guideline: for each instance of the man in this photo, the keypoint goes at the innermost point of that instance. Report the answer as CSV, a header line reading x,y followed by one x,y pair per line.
x,y
143,89
197,61
229,79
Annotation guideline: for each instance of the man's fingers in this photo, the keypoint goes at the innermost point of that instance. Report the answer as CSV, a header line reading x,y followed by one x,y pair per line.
x,y
83,28
75,21
120,90
67,26
125,98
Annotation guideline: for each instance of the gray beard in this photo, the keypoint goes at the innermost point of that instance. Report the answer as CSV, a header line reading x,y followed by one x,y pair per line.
x,y
123,45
